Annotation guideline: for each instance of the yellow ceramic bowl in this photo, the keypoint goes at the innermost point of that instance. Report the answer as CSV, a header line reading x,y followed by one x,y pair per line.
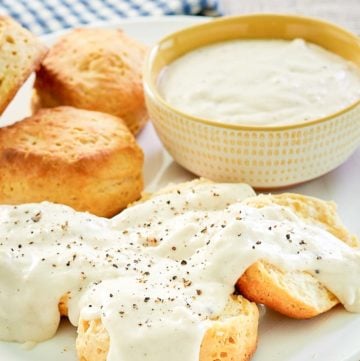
x,y
263,156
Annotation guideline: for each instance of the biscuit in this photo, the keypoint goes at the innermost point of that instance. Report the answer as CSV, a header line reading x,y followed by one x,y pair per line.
x,y
21,53
87,160
95,69
294,294
233,336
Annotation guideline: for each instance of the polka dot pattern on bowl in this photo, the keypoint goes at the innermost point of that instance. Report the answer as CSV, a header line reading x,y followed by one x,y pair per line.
x,y
262,158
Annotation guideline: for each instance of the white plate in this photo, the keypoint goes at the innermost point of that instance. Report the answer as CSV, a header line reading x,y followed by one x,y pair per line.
x,y
334,336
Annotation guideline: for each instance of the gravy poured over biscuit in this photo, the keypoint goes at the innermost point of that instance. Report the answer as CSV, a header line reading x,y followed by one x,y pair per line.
x,y
161,270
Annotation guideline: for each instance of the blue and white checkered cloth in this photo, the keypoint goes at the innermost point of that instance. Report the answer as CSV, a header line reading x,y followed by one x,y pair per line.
x,y
45,16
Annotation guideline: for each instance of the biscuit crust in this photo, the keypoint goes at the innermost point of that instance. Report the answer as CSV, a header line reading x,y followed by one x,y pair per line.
x,y
232,336
87,160
21,54
95,69
294,294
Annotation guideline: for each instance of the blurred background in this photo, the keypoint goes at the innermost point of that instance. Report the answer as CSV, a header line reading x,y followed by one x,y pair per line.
x,y
343,12
46,16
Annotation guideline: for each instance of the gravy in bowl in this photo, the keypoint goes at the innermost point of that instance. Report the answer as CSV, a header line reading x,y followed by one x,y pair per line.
x,y
260,82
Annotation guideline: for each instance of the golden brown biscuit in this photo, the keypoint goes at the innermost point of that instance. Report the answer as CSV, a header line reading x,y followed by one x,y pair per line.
x,y
95,69
20,54
87,160
294,294
232,337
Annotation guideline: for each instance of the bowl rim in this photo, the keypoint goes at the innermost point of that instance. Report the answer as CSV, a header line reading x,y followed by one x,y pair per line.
x,y
152,91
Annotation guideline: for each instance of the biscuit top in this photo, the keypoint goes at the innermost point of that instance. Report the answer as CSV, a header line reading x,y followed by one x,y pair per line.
x,y
95,69
66,133
96,56
161,270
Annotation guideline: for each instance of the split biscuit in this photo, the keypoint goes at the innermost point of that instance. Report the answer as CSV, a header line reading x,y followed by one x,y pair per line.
x,y
294,294
232,336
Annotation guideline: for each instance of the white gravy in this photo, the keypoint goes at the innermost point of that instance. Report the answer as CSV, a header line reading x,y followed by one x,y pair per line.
x,y
260,82
158,271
